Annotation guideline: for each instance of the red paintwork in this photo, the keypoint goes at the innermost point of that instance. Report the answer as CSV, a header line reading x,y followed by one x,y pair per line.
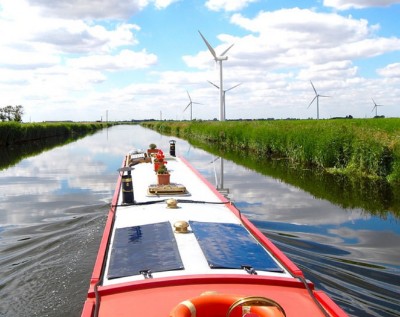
x,y
158,297
106,236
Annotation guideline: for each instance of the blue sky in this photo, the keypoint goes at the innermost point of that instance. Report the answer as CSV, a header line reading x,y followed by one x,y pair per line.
x,y
80,60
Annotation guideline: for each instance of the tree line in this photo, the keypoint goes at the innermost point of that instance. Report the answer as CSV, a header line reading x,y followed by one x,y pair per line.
x,y
11,113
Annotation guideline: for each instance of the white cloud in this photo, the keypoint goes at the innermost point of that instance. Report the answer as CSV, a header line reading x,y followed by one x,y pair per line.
x,y
228,5
341,69
303,25
94,9
124,60
71,36
20,60
77,9
162,4
43,37
51,62
282,38
390,71
358,4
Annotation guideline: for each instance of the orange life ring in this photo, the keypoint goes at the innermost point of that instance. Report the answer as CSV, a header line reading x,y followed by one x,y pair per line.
x,y
225,305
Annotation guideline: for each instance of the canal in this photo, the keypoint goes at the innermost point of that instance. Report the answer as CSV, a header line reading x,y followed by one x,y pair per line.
x,y
53,205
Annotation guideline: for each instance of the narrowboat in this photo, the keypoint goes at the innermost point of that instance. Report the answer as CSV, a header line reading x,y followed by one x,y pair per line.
x,y
180,248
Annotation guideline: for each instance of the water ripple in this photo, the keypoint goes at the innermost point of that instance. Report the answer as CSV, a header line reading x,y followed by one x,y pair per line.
x,y
36,279
361,288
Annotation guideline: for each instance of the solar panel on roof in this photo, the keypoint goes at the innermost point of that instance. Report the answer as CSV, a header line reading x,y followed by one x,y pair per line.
x,y
228,245
148,247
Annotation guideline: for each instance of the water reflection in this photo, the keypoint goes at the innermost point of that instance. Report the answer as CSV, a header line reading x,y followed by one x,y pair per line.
x,y
374,197
11,155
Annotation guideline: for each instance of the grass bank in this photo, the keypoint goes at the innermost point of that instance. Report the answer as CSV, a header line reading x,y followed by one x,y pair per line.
x,y
17,133
359,147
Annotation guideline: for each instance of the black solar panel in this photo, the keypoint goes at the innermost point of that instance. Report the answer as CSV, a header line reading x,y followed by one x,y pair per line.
x,y
148,247
227,245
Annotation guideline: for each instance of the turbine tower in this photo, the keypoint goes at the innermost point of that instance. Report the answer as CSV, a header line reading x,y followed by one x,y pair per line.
x,y
316,97
219,59
191,105
375,107
224,93
220,184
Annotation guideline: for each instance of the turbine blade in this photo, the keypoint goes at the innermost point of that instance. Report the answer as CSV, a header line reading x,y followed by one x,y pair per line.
x,y
233,87
312,102
323,96
227,50
187,106
213,84
214,160
189,96
209,46
313,88
376,105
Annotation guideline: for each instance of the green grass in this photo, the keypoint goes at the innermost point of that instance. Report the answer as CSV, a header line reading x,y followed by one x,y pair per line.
x,y
358,147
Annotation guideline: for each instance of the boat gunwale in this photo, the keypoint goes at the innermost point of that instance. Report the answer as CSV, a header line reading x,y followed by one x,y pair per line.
x,y
329,305
107,232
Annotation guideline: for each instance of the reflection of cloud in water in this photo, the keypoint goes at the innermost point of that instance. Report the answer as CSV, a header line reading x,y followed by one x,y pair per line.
x,y
368,245
77,174
12,186
46,173
43,186
273,200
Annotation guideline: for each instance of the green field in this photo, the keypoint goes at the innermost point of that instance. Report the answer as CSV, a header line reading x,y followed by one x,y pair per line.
x,y
355,147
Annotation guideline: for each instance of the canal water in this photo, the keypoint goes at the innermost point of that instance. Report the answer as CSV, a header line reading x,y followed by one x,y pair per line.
x,y
53,208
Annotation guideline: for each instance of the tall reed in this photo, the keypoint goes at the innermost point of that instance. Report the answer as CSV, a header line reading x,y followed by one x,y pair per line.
x,y
362,147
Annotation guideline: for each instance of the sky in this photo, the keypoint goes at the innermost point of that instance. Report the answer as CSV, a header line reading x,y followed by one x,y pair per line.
x,y
139,59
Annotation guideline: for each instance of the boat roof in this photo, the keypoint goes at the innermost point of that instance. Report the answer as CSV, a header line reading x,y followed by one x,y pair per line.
x,y
148,226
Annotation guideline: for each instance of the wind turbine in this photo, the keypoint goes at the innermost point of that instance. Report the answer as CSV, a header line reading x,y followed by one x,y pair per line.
x,y
375,107
219,59
191,105
224,92
316,97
